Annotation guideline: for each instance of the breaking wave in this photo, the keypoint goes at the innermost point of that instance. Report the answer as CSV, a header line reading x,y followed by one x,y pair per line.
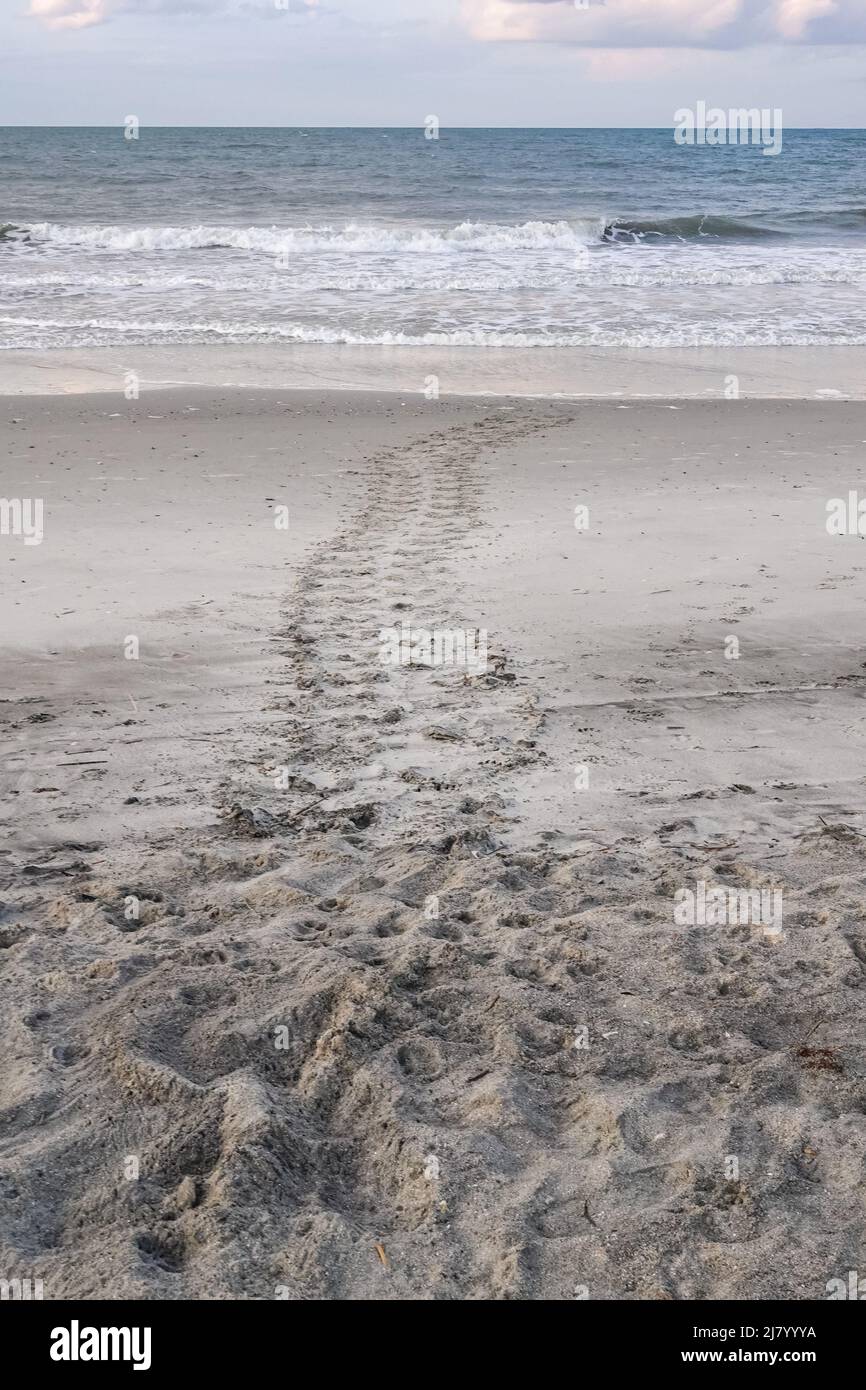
x,y
106,332
272,241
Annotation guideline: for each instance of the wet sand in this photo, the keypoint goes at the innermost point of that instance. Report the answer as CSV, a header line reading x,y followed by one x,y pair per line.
x,y
702,373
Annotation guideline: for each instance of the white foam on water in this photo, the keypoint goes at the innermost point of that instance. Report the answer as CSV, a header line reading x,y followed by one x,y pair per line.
x,y
476,284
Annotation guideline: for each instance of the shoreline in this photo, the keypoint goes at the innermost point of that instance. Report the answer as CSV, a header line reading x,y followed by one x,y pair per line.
x,y
710,373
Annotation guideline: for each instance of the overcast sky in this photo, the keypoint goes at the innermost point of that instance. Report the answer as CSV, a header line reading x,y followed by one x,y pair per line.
x,y
393,62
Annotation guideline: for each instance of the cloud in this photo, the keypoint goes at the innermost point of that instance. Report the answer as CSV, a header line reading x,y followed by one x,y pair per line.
x,y
620,24
78,14
609,24
70,14
793,17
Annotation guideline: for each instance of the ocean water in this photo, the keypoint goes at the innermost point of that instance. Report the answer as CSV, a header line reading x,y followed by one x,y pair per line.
x,y
482,237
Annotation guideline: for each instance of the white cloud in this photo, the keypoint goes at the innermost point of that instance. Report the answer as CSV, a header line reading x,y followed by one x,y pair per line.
x,y
793,17
608,24
665,23
70,14
77,14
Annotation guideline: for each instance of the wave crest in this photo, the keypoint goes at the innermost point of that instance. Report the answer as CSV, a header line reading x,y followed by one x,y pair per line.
x,y
355,237
692,228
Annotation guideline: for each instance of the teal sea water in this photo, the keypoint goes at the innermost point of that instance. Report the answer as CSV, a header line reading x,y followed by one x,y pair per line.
x,y
481,237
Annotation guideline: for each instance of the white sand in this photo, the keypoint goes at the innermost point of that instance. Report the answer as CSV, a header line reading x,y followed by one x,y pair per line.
x,y
711,373
346,1014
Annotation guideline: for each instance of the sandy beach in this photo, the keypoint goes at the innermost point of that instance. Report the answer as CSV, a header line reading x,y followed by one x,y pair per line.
x,y
825,372
324,977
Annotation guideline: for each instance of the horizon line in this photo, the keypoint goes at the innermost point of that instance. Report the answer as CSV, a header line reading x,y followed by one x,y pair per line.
x,y
21,125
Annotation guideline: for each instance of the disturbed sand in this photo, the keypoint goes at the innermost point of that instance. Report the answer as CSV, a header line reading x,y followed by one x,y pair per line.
x,y
403,1010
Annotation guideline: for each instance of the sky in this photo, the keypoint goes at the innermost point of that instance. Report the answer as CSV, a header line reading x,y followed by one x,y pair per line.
x,y
394,62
